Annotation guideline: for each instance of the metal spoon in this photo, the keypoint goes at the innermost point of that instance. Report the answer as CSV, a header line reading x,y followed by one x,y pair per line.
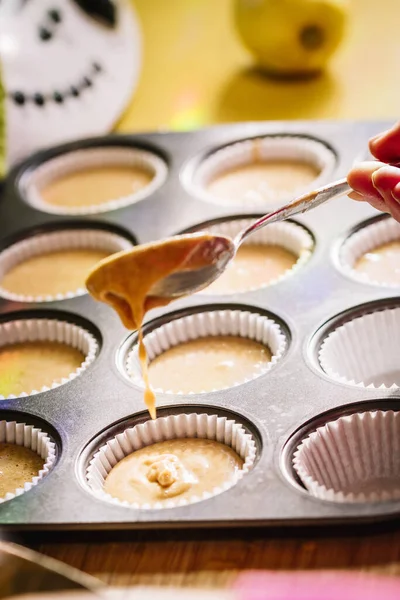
x,y
188,281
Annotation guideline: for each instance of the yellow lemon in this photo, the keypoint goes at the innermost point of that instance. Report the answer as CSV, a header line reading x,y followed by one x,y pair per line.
x,y
291,37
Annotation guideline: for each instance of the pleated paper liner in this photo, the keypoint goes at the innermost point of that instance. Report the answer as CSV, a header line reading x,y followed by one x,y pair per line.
x,y
364,241
245,324
220,429
35,439
34,181
259,150
288,235
68,239
355,458
365,350
52,330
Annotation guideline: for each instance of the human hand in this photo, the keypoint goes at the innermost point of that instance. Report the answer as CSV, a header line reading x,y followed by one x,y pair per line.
x,y
378,182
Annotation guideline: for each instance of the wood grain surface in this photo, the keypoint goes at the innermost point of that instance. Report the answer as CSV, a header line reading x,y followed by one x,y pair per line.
x,y
216,562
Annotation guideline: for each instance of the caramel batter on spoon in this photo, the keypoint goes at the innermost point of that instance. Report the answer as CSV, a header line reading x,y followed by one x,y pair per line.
x,y
124,281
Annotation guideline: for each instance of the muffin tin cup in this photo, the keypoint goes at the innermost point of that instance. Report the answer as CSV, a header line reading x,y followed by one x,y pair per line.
x,y
70,239
205,426
52,330
33,181
246,324
363,241
269,148
364,351
287,235
35,439
353,459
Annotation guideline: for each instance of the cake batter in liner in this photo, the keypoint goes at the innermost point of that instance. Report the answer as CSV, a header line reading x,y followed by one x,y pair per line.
x,y
220,429
262,149
68,239
33,181
52,330
35,439
239,323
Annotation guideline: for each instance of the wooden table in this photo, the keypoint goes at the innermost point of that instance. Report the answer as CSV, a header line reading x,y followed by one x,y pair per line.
x,y
216,562
196,73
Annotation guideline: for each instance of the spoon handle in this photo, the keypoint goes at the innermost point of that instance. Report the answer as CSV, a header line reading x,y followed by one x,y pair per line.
x,y
300,205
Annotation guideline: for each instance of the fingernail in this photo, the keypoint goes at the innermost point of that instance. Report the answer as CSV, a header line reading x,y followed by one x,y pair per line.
x,y
356,196
396,192
385,178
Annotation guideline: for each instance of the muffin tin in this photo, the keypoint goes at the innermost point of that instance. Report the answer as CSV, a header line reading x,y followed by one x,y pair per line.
x,y
278,409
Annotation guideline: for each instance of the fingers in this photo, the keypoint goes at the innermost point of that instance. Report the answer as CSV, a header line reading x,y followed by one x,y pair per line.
x,y
386,146
360,179
378,184
386,181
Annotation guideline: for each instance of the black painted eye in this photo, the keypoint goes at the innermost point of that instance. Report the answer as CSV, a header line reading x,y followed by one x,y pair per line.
x,y
38,99
19,98
54,15
45,34
58,97
74,91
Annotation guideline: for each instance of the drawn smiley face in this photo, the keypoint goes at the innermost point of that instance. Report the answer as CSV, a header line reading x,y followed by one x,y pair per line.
x,y
69,68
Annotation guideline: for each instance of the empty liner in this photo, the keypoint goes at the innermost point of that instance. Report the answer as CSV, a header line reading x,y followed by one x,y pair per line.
x,y
263,149
288,235
240,323
353,459
52,330
365,351
35,180
221,429
35,439
69,239
363,241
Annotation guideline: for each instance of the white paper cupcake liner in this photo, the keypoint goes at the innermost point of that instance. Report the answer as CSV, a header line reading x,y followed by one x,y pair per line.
x,y
365,240
52,330
35,439
288,235
69,239
205,426
245,324
365,351
262,149
353,459
32,182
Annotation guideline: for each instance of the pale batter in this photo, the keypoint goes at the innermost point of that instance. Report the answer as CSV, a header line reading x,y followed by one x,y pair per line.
x,y
18,465
254,266
52,273
208,363
381,264
180,468
261,182
95,185
29,366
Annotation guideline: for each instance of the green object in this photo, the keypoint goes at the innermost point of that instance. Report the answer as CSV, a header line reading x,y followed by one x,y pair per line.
x,y
2,130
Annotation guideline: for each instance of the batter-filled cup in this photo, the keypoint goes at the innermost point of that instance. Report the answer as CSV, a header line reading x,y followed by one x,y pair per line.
x,y
364,350
93,180
209,351
27,454
262,172
355,458
372,254
181,459
40,354
54,266
265,258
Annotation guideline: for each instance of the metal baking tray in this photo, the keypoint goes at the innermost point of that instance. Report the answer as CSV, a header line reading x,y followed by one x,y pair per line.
x,y
278,408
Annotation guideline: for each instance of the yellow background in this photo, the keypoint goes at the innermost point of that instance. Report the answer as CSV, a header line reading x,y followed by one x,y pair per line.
x,y
196,72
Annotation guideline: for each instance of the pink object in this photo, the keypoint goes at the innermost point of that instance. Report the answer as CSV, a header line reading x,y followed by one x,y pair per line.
x,y
325,585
